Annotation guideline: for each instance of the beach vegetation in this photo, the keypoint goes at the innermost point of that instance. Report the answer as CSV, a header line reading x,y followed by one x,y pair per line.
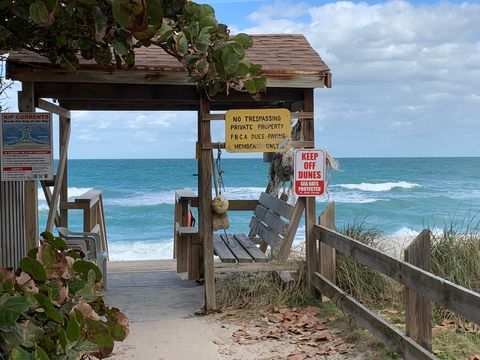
x,y
52,307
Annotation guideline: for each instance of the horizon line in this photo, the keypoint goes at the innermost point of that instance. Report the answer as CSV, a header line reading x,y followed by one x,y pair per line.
x,y
259,158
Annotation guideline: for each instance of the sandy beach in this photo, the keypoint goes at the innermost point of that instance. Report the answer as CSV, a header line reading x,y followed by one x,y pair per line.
x,y
161,304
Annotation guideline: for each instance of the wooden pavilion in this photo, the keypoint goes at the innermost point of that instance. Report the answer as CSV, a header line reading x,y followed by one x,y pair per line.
x,y
157,82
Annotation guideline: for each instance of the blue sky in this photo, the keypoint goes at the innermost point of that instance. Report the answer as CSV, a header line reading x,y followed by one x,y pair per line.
x,y
406,82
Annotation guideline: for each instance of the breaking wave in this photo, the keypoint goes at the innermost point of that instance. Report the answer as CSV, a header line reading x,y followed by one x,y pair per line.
x,y
386,186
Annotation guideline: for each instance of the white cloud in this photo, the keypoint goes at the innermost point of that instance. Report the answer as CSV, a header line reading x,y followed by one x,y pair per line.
x,y
400,71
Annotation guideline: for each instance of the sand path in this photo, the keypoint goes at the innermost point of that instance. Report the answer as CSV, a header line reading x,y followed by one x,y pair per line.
x,y
160,306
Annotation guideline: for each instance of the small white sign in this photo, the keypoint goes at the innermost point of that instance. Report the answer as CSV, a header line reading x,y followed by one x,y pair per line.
x,y
26,146
309,173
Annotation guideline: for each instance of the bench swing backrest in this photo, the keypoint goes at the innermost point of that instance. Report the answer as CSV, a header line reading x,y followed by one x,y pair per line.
x,y
276,222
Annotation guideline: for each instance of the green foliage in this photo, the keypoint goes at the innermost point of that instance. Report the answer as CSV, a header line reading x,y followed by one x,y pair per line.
x,y
52,308
108,31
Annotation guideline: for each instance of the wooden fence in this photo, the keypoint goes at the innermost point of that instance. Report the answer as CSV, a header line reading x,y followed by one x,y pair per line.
x,y
422,288
12,228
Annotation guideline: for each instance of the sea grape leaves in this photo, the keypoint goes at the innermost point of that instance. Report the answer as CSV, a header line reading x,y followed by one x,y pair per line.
x,y
108,31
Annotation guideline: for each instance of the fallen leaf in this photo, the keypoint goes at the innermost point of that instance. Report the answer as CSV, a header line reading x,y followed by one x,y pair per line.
x,y
321,336
218,342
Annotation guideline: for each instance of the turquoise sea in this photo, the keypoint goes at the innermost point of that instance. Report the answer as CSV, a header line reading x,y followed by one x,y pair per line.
x,y
399,196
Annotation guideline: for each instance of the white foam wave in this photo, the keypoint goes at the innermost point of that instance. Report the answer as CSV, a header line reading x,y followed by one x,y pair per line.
x,y
168,197
352,198
404,232
72,192
378,187
141,250
144,199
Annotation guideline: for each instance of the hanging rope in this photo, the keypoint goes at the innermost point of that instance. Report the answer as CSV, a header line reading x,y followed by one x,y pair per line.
x,y
220,203
218,165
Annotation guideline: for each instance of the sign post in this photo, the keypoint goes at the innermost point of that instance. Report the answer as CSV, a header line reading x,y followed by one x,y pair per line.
x,y
26,146
309,173
260,130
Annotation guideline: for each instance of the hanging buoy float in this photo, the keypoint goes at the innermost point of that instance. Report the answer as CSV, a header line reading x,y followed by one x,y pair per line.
x,y
220,204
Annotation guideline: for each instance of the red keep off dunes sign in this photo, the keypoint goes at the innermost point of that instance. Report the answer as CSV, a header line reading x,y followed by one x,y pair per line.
x,y
309,168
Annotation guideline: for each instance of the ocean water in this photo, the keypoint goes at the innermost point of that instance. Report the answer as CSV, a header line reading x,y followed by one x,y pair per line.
x,y
399,196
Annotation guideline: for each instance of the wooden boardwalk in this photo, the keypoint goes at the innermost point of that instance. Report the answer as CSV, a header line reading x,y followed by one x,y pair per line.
x,y
160,305
152,290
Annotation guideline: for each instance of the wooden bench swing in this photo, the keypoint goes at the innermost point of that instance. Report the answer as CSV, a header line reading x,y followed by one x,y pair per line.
x,y
273,225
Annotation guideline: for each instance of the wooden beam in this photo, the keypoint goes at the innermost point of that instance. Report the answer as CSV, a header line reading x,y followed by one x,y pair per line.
x,y
52,73
57,188
221,145
223,267
388,334
308,132
63,149
53,108
48,198
286,247
26,103
294,115
454,297
418,310
205,203
131,92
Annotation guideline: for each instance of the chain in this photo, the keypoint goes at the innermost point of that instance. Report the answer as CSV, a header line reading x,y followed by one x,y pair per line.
x,y
218,165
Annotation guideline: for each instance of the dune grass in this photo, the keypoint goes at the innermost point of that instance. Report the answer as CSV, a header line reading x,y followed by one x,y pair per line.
x,y
455,256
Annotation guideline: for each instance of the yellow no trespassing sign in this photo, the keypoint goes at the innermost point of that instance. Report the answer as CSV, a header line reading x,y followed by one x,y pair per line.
x,y
259,130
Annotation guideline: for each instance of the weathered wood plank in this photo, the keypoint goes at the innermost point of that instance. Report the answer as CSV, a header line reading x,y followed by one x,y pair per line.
x,y
182,253
133,92
251,248
267,235
53,108
62,163
326,253
294,115
307,128
64,123
387,333
222,250
276,205
48,198
418,310
233,204
194,249
12,233
236,248
90,197
55,74
185,194
242,205
26,103
222,267
454,297
273,221
205,203
294,144
283,251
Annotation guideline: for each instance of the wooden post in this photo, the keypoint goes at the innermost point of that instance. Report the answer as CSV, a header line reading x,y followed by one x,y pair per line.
x,y
418,310
205,229
182,246
310,206
26,103
59,178
326,254
65,123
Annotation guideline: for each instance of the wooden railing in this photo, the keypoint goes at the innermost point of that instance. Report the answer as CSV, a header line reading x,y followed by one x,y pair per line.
x,y
91,203
187,248
419,282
